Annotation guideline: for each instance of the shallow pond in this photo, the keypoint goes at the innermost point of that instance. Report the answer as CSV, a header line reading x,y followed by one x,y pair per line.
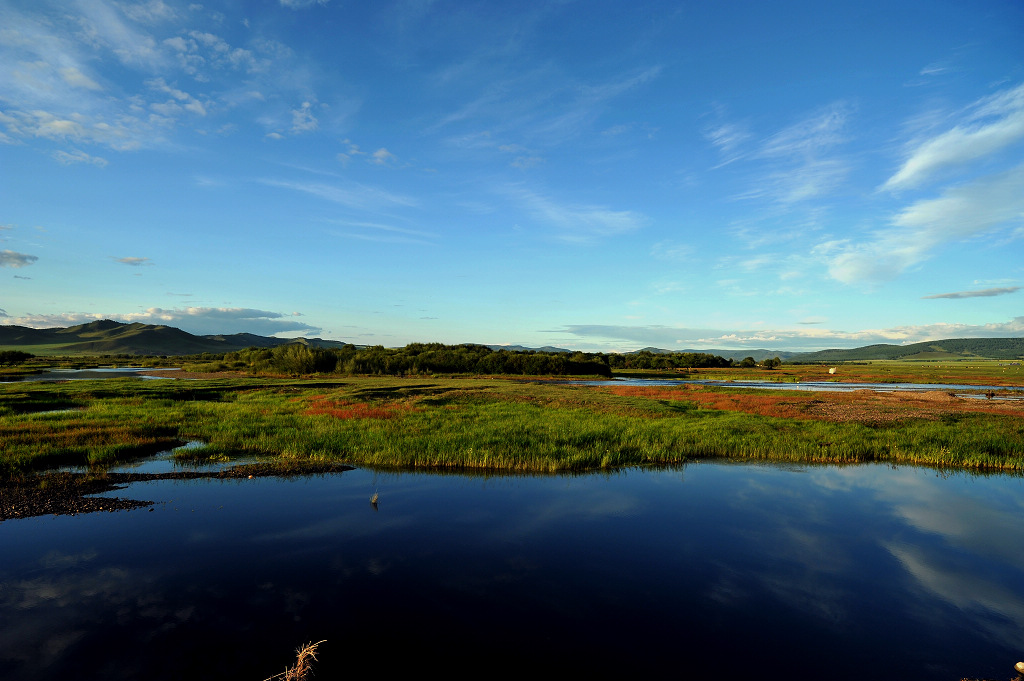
x,y
706,571
53,375
960,389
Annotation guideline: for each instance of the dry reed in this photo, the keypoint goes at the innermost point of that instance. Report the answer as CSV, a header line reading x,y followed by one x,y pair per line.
x,y
305,656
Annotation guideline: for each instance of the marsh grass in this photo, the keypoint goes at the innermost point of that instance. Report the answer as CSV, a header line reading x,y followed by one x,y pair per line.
x,y
495,425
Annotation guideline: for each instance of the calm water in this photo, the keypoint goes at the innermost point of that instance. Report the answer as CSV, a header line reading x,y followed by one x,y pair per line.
x,y
962,390
741,571
87,374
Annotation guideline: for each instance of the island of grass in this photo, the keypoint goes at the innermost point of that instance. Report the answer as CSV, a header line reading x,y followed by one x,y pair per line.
x,y
501,423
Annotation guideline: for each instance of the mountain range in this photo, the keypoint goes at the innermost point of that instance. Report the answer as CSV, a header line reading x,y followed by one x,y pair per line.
x,y
107,337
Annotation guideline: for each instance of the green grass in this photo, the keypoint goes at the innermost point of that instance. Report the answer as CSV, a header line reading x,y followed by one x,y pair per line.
x,y
453,424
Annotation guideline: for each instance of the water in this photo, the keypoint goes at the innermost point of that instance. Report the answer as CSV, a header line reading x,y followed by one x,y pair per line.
x,y
709,570
87,374
961,390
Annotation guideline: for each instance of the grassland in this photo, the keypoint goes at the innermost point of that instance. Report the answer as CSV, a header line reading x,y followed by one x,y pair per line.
x,y
978,371
499,424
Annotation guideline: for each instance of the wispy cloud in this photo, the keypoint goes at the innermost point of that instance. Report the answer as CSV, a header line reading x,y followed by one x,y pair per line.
x,y
301,4
575,222
352,195
797,163
962,212
811,136
78,156
179,101
375,231
672,250
15,260
728,138
990,125
104,26
303,119
152,12
983,293
537,105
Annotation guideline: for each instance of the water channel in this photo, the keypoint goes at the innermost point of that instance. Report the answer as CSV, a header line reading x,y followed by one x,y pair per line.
x,y
710,570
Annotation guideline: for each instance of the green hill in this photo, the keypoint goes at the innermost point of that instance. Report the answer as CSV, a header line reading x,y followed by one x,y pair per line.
x,y
107,337
954,348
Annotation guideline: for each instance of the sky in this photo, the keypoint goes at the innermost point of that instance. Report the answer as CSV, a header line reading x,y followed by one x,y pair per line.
x,y
596,175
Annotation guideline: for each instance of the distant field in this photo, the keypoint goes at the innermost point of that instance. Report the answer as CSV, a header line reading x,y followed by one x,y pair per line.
x,y
978,371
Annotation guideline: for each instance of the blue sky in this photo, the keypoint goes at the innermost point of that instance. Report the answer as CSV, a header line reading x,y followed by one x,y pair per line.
x,y
593,175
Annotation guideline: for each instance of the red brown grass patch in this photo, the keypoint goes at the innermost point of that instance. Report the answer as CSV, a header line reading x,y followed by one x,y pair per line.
x,y
863,406
321,405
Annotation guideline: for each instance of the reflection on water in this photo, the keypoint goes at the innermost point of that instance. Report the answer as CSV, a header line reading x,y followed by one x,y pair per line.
x,y
961,390
86,374
710,569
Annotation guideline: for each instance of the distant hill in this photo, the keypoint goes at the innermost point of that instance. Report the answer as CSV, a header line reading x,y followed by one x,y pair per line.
x,y
736,355
107,337
523,348
954,348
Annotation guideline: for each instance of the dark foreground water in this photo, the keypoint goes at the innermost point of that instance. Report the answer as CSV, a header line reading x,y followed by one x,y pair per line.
x,y
708,571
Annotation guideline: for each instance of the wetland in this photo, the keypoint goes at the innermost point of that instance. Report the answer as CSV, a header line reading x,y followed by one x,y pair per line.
x,y
204,528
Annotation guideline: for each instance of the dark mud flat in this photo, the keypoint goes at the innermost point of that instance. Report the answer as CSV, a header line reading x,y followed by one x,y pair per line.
x,y
72,493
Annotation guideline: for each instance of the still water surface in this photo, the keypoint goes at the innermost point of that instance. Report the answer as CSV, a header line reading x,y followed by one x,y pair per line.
x,y
709,570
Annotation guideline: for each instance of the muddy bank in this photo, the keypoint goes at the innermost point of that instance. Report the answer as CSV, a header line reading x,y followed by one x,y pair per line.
x,y
72,493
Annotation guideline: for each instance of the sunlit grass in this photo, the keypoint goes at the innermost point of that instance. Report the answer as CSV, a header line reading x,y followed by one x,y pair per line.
x,y
480,424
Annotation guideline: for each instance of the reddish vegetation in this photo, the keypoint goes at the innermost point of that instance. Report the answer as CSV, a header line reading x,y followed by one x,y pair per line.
x,y
864,406
321,405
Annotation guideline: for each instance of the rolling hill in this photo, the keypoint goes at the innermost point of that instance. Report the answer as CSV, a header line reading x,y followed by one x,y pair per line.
x,y
954,348
107,337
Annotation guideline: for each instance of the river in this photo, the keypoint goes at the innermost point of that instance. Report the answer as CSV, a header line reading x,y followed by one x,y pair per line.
x,y
710,570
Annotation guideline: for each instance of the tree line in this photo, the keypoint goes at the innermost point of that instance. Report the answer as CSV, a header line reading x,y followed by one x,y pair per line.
x,y
438,358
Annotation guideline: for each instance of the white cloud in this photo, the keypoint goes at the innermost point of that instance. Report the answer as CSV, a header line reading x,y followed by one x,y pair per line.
x,y
126,133
794,166
102,26
728,138
74,77
962,212
992,124
672,250
303,119
576,222
77,156
187,101
150,12
382,157
376,231
353,195
811,135
809,179
14,259
300,4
